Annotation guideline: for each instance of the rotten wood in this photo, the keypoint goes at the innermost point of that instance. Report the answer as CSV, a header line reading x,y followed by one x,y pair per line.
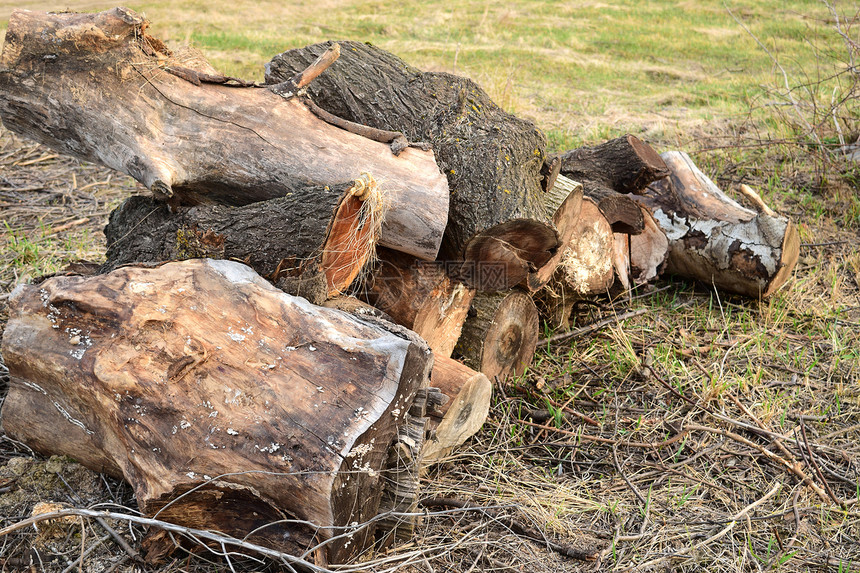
x,y
225,403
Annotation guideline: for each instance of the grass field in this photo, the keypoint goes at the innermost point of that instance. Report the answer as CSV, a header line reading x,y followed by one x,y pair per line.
x,y
765,395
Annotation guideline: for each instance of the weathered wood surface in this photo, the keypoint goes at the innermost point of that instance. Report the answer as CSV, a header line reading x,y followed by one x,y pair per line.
x,y
97,87
200,374
564,201
585,268
714,239
420,296
648,250
311,243
464,412
500,335
492,159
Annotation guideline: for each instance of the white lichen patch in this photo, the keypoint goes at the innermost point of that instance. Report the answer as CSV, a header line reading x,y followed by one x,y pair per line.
x,y
359,451
232,432
184,424
235,336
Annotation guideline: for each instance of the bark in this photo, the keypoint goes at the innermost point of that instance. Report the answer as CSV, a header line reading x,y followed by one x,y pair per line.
x,y
500,335
97,87
625,164
492,159
312,243
715,240
612,169
420,296
462,414
200,378
564,200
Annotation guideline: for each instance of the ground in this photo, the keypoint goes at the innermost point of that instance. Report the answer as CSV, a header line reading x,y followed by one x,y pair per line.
x,y
707,433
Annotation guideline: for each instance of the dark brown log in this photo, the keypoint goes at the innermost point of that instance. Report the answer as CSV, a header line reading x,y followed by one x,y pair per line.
x,y
715,240
224,402
624,164
97,87
564,200
585,268
497,221
500,335
311,243
420,296
468,394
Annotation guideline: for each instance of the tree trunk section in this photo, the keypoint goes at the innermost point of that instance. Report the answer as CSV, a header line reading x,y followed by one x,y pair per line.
x,y
500,335
715,240
420,296
312,243
564,200
648,250
585,268
492,159
97,87
625,164
468,396
224,402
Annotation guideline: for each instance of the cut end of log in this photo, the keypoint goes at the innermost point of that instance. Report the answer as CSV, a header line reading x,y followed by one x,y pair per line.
x,y
502,257
790,254
354,232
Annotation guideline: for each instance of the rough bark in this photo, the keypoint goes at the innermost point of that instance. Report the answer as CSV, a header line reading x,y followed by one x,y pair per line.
x,y
612,169
311,243
500,335
492,159
200,378
625,164
464,411
420,296
97,87
564,201
715,240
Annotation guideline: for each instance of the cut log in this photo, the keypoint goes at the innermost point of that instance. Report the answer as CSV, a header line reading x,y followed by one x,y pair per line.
x,y
420,296
97,87
625,164
500,335
311,243
224,402
609,170
715,240
585,268
648,250
497,222
564,200
465,410
621,265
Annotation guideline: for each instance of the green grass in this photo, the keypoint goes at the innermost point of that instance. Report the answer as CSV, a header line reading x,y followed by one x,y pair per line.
x,y
584,72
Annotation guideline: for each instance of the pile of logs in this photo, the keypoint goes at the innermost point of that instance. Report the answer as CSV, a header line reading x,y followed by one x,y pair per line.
x,y
359,248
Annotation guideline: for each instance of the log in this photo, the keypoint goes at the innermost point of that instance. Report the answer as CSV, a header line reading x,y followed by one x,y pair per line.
x,y
497,222
500,335
99,88
420,296
564,200
648,250
224,402
714,239
625,164
612,169
311,243
585,268
621,265
467,403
